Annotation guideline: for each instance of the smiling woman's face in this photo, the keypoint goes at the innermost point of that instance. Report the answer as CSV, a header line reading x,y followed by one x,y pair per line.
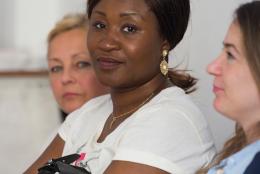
x,y
236,92
125,43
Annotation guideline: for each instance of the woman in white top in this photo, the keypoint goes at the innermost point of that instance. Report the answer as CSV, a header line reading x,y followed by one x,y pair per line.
x,y
148,124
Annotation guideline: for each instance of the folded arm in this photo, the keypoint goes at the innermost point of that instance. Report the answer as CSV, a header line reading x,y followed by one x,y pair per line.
x,y
54,150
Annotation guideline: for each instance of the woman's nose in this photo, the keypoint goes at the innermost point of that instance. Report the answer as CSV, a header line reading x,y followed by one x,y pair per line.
x,y
67,77
110,40
215,68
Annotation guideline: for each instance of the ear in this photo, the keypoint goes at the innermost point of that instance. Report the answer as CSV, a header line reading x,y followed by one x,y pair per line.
x,y
165,45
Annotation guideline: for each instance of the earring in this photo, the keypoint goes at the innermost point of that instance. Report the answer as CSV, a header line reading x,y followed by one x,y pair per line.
x,y
164,64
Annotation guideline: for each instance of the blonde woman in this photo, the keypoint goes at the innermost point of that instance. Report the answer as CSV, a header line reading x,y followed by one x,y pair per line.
x,y
72,77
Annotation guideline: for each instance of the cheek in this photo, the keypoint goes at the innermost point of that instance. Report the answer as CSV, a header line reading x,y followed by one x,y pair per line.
x,y
89,82
242,86
240,95
250,95
56,87
144,55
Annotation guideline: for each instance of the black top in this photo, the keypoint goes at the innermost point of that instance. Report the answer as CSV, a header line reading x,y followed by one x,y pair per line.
x,y
254,166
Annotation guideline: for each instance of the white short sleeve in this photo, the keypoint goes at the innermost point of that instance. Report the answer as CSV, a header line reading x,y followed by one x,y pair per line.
x,y
169,141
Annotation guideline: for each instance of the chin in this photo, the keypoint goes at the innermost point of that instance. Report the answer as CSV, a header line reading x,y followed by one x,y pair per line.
x,y
66,110
71,108
223,109
218,105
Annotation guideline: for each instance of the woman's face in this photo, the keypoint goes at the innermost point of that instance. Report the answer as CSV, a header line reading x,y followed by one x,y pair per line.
x,y
236,92
72,77
124,42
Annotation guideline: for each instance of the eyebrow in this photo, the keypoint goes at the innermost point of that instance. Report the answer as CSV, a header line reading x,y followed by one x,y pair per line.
x,y
99,12
54,59
125,14
230,45
78,54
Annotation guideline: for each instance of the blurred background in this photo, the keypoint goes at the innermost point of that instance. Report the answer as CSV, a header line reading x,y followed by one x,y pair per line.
x,y
29,116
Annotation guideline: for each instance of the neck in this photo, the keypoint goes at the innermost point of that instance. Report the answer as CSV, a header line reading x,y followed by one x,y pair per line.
x,y
128,98
250,122
253,133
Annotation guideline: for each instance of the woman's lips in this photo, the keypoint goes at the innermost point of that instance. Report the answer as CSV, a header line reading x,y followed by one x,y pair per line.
x,y
70,95
217,89
108,63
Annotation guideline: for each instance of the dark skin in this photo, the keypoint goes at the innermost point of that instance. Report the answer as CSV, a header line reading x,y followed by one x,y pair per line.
x,y
54,150
119,42
131,100
126,47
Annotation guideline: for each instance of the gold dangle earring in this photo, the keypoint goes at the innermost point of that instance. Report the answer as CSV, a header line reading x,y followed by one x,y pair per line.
x,y
164,64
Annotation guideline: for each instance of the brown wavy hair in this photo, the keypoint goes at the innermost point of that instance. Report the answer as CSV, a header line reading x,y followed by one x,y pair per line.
x,y
233,145
247,16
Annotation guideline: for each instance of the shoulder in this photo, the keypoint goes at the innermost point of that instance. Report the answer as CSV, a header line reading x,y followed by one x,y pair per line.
x,y
78,119
174,98
96,102
172,104
170,118
166,129
243,160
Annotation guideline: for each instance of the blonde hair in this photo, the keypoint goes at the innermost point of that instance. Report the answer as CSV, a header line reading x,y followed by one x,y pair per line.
x,y
67,23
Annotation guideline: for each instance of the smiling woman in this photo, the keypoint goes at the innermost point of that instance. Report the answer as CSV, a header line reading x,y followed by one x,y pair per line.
x,y
148,124
236,74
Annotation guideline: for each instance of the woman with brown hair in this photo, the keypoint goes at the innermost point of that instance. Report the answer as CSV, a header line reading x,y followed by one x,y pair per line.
x,y
237,89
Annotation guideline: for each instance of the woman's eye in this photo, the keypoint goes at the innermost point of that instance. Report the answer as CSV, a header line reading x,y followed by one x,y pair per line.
x,y
83,64
130,28
230,56
56,69
99,25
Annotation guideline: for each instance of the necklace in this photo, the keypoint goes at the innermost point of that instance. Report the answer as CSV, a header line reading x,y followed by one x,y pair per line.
x,y
114,118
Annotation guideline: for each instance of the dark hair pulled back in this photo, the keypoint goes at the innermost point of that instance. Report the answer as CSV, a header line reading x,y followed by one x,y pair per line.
x,y
173,18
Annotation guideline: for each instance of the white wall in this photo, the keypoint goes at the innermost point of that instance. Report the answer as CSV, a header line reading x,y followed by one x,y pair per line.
x,y
209,25
27,22
7,21
38,20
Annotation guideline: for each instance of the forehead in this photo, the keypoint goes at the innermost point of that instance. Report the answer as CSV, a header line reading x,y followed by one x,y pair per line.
x,y
122,6
234,35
